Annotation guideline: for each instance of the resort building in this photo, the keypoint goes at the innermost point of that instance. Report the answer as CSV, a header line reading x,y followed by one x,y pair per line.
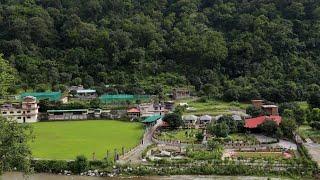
x,y
86,94
133,113
269,109
180,93
73,114
255,122
205,119
152,120
26,112
190,120
169,105
149,109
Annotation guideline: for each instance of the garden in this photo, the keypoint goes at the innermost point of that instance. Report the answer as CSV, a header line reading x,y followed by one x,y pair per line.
x,y
182,135
65,140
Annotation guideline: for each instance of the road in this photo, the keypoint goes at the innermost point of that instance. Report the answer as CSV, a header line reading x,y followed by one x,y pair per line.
x,y
134,156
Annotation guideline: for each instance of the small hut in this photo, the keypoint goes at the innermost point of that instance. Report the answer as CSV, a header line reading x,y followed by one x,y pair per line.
x,y
190,119
205,119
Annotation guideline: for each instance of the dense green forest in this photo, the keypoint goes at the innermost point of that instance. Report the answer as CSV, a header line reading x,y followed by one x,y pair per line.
x,y
228,49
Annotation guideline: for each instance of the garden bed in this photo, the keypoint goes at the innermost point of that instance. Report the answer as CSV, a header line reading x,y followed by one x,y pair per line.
x,y
182,135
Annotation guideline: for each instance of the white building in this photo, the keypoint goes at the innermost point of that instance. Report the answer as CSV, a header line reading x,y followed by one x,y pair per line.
x,y
205,119
86,94
26,112
150,109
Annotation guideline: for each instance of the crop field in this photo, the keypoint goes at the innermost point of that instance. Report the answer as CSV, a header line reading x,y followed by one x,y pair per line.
x,y
260,154
66,139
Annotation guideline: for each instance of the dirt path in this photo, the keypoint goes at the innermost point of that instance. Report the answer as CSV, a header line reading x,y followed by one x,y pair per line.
x,y
135,155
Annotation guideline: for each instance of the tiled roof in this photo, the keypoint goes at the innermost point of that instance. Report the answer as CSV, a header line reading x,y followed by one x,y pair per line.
x,y
133,110
255,122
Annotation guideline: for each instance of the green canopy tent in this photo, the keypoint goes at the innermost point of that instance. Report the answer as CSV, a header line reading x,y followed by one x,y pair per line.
x,y
51,96
108,98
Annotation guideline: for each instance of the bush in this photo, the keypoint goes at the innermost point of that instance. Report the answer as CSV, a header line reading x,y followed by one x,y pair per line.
x,y
81,164
199,136
212,144
253,111
50,166
315,125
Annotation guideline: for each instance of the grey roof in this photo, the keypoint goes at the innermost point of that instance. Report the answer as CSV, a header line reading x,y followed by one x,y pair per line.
x,y
205,118
67,110
86,91
190,118
218,117
236,117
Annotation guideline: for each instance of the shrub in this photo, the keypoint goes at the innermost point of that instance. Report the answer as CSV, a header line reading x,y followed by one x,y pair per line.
x,y
52,166
81,164
199,136
315,125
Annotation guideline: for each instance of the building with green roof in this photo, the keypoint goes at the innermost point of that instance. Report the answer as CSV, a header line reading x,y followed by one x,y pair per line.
x,y
152,119
51,96
108,98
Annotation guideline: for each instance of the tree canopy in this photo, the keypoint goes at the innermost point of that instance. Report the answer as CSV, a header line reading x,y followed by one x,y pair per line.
x,y
235,50
14,148
7,76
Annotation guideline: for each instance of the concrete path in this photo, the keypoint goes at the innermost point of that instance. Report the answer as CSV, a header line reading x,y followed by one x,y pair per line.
x,y
314,150
282,143
135,155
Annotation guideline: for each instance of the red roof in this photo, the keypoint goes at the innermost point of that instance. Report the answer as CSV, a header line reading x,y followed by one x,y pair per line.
x,y
255,122
133,110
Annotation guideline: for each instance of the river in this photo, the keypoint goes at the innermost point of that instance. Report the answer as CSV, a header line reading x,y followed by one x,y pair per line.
x,y
44,176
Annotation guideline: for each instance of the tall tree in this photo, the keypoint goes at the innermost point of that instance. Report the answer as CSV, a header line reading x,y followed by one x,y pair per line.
x,y
14,149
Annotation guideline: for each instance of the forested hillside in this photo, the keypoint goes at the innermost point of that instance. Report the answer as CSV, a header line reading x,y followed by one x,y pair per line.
x,y
230,49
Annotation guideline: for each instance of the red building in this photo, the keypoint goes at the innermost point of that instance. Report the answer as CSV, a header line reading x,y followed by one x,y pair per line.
x,y
255,122
133,113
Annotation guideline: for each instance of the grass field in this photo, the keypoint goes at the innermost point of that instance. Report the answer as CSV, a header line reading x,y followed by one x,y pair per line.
x,y
307,132
66,140
212,107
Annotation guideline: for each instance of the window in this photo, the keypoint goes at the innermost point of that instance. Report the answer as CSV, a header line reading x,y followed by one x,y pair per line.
x,y
28,111
4,112
28,117
18,112
19,117
11,112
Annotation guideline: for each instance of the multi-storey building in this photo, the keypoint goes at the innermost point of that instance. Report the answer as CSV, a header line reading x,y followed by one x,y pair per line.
x,y
26,112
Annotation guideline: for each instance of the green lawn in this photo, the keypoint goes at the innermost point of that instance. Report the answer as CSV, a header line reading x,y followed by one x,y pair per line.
x,y
307,132
212,107
184,135
66,139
